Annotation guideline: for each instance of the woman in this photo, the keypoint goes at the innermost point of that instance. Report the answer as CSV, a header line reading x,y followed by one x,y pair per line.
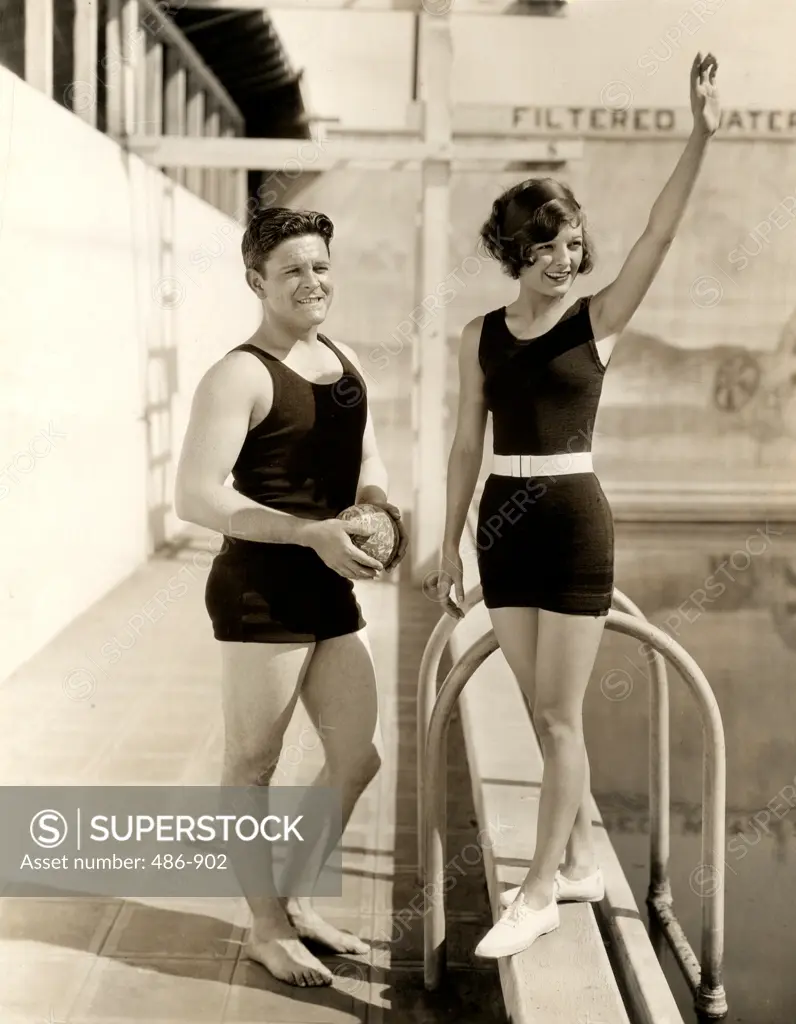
x,y
545,531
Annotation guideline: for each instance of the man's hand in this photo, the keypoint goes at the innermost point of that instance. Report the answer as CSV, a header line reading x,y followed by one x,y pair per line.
x,y
403,543
330,540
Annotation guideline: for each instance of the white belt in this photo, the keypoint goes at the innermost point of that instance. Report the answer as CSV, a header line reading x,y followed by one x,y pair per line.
x,y
542,465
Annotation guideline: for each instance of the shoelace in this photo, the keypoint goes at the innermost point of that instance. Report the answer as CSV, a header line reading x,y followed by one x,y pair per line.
x,y
518,912
512,916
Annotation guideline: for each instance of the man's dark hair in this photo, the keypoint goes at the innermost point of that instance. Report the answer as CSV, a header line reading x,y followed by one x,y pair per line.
x,y
268,228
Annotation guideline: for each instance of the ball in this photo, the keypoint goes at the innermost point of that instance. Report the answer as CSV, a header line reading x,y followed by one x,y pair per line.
x,y
384,539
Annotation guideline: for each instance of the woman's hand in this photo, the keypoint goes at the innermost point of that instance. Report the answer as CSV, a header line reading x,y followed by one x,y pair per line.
x,y
439,583
705,104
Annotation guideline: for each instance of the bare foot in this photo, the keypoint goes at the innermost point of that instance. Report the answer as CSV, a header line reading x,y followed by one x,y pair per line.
x,y
289,960
310,925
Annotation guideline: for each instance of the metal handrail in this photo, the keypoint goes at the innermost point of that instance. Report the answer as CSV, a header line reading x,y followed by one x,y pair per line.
x,y
705,980
426,697
659,764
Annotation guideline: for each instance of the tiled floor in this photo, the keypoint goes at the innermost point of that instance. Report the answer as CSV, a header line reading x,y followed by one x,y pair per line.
x,y
110,704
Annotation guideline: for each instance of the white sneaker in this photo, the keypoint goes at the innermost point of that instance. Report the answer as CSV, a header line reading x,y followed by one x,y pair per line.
x,y
517,929
582,890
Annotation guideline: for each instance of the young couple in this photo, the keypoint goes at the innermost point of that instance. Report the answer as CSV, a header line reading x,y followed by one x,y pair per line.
x,y
276,413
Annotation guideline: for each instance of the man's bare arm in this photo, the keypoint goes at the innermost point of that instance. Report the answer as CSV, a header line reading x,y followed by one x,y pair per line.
x,y
219,422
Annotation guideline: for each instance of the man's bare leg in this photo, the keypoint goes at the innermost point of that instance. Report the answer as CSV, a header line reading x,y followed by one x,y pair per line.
x,y
260,687
339,693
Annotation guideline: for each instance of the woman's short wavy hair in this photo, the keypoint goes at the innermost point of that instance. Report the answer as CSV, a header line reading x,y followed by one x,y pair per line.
x,y
530,213
269,227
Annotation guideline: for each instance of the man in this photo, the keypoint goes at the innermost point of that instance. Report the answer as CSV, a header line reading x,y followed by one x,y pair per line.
x,y
286,414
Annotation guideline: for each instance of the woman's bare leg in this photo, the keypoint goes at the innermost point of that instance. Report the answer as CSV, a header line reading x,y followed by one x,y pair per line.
x,y
566,651
517,631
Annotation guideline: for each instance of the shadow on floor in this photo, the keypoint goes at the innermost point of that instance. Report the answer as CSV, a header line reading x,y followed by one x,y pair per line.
x,y
74,955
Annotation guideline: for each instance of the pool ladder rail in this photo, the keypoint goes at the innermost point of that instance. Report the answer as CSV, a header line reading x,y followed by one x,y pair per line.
x,y
434,709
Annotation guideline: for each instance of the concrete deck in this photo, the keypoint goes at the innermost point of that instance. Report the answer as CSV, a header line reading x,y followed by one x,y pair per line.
x,y
106,705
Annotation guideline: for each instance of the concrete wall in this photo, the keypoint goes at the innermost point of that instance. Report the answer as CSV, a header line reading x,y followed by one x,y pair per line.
x,y
117,291
723,308
706,319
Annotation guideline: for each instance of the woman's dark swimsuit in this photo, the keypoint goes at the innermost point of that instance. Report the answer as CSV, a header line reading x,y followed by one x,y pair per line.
x,y
547,541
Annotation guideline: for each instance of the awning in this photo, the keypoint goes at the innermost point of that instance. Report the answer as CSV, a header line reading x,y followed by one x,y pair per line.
x,y
243,49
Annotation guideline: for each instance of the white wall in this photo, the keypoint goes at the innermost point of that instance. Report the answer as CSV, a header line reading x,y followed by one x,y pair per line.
x,y
81,308
647,44
358,64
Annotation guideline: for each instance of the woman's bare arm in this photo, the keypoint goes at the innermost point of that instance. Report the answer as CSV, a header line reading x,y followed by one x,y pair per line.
x,y
467,450
612,308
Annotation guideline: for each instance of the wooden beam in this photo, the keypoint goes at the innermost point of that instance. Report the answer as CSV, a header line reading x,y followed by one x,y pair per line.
x,y
85,41
324,154
647,124
600,121
430,350
39,45
434,7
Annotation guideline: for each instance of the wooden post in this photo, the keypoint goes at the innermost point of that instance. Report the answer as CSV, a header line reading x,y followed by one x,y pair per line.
x,y
39,45
153,91
86,45
135,43
237,185
196,128
225,198
175,112
114,71
431,340
210,183
241,195
132,66
240,209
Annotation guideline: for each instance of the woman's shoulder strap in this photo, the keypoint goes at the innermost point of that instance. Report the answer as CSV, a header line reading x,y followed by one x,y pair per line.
x,y
492,334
